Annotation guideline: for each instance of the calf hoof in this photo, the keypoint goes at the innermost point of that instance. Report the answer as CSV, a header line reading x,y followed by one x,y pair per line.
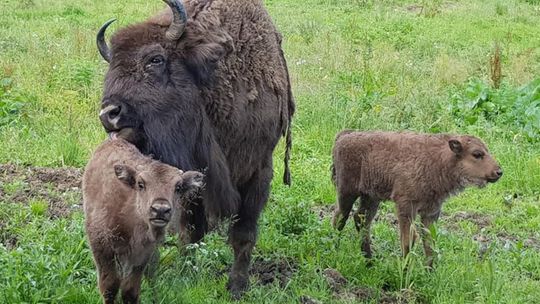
x,y
429,263
237,287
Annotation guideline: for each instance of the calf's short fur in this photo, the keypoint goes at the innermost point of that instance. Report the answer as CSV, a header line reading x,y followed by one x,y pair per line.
x,y
129,200
416,171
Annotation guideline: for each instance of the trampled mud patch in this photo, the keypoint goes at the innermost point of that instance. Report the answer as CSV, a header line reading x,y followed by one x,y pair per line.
x,y
479,219
345,292
58,188
325,211
270,271
506,240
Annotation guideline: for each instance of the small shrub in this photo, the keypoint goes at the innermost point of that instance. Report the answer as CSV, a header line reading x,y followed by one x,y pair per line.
x,y
526,110
517,108
11,102
295,219
501,9
495,66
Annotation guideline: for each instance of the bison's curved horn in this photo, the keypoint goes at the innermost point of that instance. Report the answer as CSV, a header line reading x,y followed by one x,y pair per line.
x,y
179,20
101,44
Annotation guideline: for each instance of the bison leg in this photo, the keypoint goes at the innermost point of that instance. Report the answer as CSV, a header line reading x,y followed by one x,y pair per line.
x,y
363,218
406,216
131,286
427,220
193,225
243,231
343,208
109,281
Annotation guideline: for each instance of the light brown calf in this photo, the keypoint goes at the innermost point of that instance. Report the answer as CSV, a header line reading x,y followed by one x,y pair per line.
x,y
416,171
128,201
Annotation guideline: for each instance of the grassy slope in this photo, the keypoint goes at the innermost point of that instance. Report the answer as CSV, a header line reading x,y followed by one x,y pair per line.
x,y
354,64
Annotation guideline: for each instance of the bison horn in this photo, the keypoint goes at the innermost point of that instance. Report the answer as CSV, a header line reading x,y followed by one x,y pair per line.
x,y
101,44
179,20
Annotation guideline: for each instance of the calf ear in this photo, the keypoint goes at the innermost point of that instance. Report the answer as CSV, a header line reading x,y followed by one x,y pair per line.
x,y
126,174
192,182
455,146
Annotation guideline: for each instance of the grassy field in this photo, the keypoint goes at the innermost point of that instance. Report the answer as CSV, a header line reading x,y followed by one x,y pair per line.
x,y
426,65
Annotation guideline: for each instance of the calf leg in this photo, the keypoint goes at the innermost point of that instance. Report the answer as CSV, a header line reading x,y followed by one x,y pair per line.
x,y
406,216
131,286
150,273
427,220
363,218
343,208
108,279
243,230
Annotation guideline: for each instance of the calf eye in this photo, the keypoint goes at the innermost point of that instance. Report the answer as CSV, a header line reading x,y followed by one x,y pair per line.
x,y
478,154
178,188
140,185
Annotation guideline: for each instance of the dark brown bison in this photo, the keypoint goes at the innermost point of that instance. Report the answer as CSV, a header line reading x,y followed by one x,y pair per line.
x,y
128,201
204,86
416,171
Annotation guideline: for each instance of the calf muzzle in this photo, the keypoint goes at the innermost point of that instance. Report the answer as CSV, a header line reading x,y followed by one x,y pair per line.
x,y
160,213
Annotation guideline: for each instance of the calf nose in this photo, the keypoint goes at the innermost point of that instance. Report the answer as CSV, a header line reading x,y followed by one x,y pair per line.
x,y
110,115
499,172
160,210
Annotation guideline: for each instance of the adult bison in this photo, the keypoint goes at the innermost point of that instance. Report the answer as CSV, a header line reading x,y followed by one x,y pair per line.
x,y
204,86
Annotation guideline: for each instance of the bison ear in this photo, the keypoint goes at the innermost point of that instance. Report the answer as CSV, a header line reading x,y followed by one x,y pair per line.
x,y
202,59
455,146
126,174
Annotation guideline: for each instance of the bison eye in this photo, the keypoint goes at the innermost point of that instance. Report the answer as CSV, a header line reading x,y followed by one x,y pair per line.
x,y
478,154
140,185
156,60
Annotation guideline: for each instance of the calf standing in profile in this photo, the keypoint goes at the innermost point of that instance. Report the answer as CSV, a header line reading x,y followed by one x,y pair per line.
x,y
128,201
416,171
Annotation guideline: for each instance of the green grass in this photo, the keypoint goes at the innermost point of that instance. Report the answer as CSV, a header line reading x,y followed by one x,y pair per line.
x,y
363,64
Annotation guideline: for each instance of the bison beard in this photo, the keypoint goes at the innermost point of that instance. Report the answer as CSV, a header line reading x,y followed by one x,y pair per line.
x,y
209,93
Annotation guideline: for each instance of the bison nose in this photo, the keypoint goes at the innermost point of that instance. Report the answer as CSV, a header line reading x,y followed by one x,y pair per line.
x,y
110,115
499,172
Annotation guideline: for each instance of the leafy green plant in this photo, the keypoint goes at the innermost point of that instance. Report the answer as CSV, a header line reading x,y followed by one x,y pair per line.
x,y
527,110
11,102
295,219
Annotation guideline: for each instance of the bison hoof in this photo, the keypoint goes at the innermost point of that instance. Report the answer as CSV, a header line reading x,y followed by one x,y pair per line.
x,y
237,287
338,221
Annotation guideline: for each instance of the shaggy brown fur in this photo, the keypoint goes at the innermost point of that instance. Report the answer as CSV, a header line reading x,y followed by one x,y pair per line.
x,y
128,201
218,99
416,171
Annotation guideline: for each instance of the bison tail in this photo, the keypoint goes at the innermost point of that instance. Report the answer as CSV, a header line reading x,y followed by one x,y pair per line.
x,y
333,170
288,145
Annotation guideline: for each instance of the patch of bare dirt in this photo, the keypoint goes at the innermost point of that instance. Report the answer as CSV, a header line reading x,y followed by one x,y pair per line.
x,y
430,10
325,211
59,188
270,271
343,291
308,300
509,240
479,219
